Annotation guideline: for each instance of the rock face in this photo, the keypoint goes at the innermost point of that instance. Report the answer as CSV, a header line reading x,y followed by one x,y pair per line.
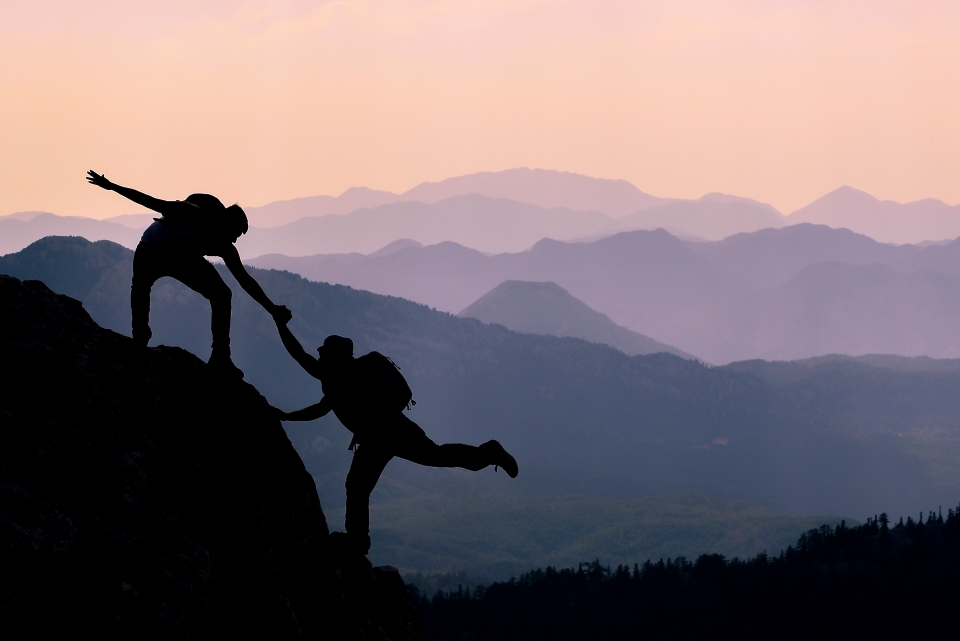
x,y
142,496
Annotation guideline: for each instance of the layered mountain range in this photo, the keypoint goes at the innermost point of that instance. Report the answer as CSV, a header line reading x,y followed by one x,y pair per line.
x,y
795,292
510,211
833,436
547,308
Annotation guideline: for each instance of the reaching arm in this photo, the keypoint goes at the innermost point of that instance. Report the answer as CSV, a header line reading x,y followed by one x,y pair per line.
x,y
296,351
251,286
162,207
310,413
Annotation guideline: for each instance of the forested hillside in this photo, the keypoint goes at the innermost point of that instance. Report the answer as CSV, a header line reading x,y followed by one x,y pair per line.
x,y
876,580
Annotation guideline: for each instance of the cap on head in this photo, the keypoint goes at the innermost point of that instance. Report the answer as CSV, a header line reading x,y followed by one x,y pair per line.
x,y
237,219
336,347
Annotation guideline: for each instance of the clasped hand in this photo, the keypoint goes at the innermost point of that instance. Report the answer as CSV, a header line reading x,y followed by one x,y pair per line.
x,y
281,314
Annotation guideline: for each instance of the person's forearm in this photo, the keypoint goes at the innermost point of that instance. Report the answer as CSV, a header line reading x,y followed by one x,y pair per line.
x,y
139,197
292,345
252,287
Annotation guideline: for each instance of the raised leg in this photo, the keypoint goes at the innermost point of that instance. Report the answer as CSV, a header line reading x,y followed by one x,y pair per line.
x,y
412,444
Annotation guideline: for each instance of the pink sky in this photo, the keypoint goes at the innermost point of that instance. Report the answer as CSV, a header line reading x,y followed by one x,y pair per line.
x,y
259,101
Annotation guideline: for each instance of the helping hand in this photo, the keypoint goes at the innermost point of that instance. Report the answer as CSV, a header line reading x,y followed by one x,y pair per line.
x,y
277,413
99,180
281,314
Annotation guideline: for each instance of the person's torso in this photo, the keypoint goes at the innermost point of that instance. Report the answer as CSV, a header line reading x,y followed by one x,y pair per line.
x,y
200,240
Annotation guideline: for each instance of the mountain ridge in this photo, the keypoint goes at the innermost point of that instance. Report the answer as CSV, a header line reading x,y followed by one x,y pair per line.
x,y
927,219
717,300
842,438
575,198
547,308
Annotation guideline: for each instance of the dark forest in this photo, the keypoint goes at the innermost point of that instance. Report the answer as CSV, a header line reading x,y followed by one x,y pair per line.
x,y
877,579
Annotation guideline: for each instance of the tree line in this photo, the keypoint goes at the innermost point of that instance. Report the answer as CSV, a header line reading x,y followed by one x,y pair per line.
x,y
877,578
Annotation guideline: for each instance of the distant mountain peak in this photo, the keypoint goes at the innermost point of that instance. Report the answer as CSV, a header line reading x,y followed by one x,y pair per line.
x,y
353,192
844,195
534,307
718,197
25,216
394,247
886,221
546,188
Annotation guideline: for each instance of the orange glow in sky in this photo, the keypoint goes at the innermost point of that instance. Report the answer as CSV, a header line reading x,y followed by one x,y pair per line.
x,y
259,101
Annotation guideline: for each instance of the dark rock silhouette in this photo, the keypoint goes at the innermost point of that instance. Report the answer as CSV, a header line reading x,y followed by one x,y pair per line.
x,y
143,497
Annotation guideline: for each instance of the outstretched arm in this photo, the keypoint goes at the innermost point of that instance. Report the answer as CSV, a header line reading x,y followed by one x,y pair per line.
x,y
310,413
296,351
251,286
162,207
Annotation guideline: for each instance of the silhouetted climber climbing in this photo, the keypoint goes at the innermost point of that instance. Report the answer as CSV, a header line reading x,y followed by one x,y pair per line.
x,y
368,395
175,245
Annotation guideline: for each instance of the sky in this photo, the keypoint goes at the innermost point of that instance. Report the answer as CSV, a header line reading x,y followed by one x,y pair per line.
x,y
256,101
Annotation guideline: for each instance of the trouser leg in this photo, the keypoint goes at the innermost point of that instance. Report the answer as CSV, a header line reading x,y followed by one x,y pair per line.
x,y
147,268
469,457
202,277
408,441
368,463
412,444
220,308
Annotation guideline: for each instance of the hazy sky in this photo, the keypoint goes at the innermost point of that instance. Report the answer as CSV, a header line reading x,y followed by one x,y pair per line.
x,y
258,101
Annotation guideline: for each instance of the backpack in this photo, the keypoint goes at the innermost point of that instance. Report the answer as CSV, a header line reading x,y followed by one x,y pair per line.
x,y
385,385
195,212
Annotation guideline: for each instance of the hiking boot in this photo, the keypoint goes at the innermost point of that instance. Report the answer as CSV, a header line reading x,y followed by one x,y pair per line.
x,y
344,543
222,362
142,336
499,457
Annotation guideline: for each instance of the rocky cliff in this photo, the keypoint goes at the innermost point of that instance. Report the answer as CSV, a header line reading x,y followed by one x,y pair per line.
x,y
141,496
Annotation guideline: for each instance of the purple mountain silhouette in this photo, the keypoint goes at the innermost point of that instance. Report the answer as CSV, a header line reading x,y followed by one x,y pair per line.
x,y
547,308
712,217
883,220
544,188
487,224
795,292
283,212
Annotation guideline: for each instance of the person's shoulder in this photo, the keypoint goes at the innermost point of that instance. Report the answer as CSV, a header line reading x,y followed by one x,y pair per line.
x,y
184,207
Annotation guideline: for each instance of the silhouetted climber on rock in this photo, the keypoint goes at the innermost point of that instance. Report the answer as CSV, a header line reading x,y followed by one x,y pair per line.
x,y
175,245
368,395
